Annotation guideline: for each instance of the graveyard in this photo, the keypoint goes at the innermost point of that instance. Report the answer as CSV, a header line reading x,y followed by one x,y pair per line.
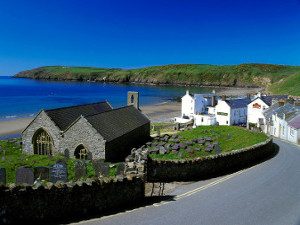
x,y
202,141
25,168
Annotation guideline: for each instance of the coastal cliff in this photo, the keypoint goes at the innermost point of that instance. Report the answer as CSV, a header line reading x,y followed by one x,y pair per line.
x,y
244,75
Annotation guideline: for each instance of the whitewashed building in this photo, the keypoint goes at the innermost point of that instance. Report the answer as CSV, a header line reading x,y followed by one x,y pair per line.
x,y
294,130
282,121
255,109
195,107
258,106
231,111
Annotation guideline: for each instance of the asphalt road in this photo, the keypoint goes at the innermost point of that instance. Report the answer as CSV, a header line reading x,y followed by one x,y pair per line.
x,y
268,193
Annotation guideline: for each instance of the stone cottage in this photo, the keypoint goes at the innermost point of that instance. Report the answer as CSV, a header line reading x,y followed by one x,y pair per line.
x,y
91,131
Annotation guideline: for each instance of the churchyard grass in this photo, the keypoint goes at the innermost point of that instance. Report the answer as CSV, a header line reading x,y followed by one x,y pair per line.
x,y
12,157
228,138
163,127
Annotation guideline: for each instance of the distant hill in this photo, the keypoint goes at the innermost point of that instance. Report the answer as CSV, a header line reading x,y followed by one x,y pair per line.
x,y
276,78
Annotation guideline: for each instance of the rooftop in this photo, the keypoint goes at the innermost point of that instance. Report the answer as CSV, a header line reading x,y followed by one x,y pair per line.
x,y
64,117
117,122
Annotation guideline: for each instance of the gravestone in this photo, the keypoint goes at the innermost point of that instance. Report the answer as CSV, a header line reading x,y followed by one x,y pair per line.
x,y
41,172
120,169
101,168
58,172
24,175
217,149
2,176
67,153
80,169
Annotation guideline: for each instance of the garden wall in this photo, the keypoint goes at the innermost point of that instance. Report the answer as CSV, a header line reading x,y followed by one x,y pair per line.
x,y
70,200
207,167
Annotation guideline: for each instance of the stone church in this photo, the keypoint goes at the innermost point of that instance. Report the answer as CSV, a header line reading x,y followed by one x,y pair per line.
x,y
90,131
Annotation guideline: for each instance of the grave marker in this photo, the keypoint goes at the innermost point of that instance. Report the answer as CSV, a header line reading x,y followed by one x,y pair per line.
x,y
2,176
80,169
58,172
24,175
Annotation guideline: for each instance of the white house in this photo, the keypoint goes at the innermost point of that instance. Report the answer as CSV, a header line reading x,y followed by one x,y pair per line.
x,y
205,120
258,106
283,121
193,106
231,111
255,109
294,130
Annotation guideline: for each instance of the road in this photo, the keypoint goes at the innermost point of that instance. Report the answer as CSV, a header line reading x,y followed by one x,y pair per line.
x,y
268,193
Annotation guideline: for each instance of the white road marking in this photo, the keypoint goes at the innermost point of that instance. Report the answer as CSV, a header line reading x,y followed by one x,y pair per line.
x,y
176,198
196,190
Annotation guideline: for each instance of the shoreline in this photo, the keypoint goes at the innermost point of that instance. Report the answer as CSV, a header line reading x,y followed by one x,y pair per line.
x,y
158,112
145,83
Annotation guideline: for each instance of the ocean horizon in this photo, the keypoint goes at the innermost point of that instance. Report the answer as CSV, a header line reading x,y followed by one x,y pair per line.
x,y
20,97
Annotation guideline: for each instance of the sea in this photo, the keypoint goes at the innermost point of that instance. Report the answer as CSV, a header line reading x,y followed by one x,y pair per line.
x,y
21,97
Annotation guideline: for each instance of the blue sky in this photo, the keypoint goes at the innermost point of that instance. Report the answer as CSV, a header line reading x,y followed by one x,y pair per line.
x,y
137,33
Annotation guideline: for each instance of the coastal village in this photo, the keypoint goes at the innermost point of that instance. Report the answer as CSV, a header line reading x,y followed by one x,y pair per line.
x,y
120,144
275,115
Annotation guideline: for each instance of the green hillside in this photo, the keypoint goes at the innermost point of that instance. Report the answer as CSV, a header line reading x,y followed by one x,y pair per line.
x,y
244,75
290,85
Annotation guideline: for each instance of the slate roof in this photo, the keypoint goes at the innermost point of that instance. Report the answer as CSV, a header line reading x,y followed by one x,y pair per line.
x,y
64,117
117,122
238,103
295,122
288,111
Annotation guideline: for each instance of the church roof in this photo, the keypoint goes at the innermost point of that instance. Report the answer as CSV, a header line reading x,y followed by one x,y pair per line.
x,y
117,122
64,117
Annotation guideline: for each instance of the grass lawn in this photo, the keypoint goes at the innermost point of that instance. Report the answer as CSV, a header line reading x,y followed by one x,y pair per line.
x,y
162,128
14,158
229,138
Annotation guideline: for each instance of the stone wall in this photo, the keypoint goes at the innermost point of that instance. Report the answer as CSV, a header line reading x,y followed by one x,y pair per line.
x,y
207,167
41,121
83,133
71,200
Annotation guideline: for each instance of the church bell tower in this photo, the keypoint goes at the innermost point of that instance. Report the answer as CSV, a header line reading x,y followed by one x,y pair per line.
x,y
133,99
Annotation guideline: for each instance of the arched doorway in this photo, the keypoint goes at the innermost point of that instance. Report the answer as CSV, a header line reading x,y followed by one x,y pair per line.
x,y
42,143
81,152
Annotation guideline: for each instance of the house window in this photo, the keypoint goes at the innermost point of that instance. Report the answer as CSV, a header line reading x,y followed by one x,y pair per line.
x,y
202,119
226,121
292,132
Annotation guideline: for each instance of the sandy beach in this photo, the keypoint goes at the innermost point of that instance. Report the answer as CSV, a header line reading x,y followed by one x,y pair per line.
x,y
15,126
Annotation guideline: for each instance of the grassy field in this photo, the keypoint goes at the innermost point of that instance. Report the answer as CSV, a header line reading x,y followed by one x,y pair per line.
x,y
14,158
290,85
229,138
263,75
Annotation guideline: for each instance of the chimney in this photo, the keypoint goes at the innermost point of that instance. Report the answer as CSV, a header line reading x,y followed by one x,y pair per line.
x,y
223,97
258,94
213,101
281,102
187,92
249,96
133,99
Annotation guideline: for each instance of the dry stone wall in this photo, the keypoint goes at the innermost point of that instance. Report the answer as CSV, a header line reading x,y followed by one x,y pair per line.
x,y
53,202
159,170
207,167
